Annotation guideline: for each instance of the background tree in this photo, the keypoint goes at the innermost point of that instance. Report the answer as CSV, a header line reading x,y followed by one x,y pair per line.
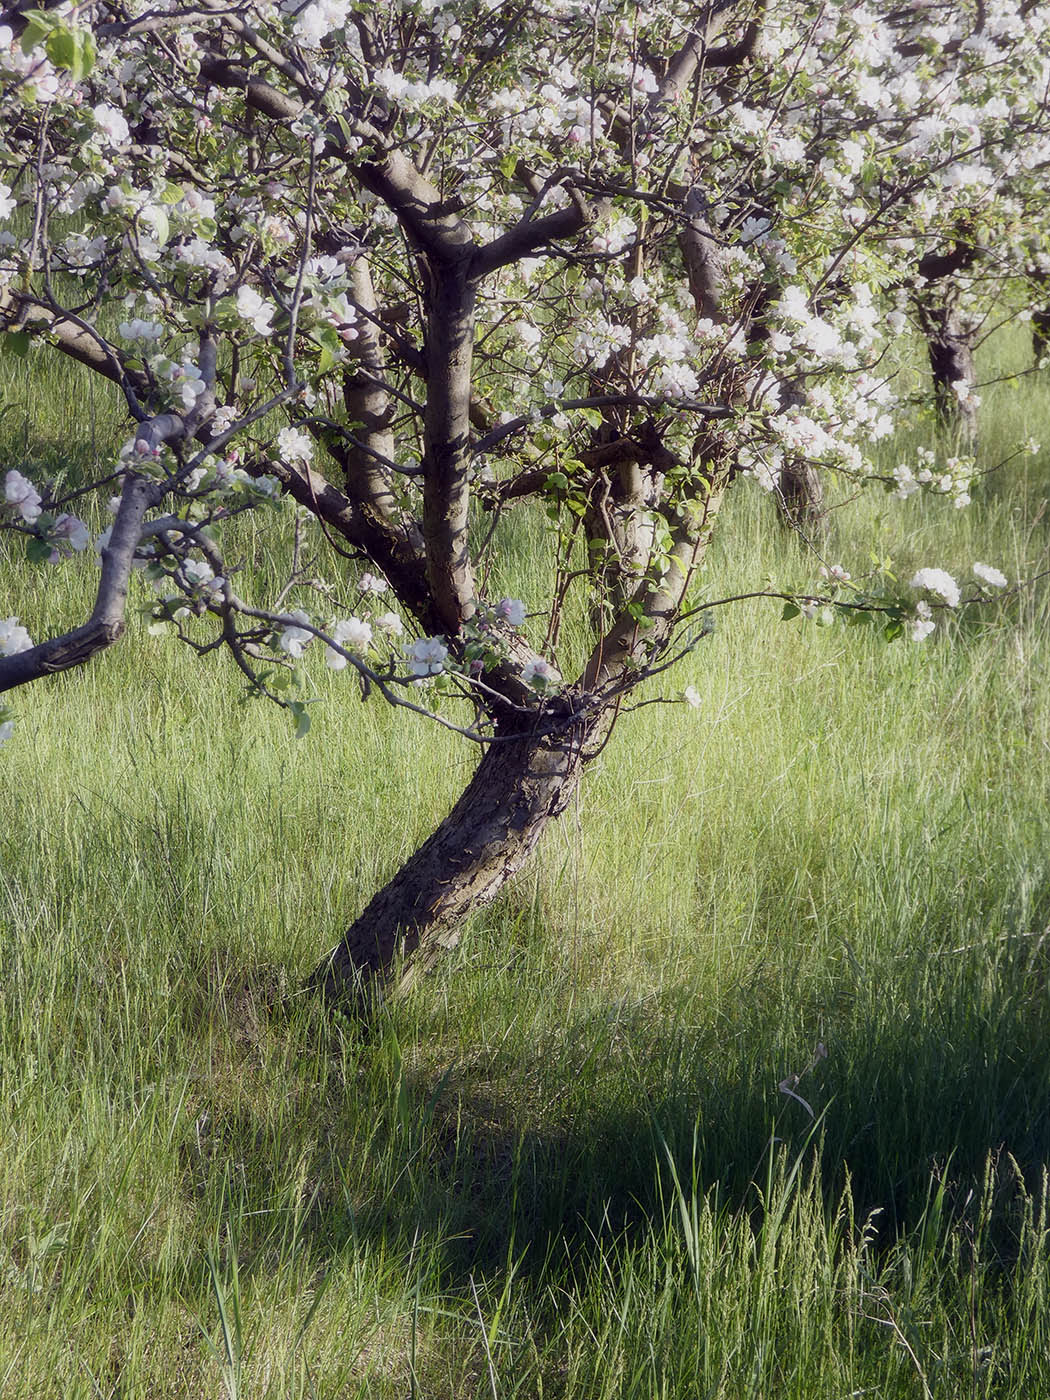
x,y
412,266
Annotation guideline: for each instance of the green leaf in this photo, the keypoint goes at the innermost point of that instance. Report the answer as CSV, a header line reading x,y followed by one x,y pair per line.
x,y
332,348
893,629
61,48
73,49
38,27
344,126
158,224
790,610
301,717
38,551
508,164
16,343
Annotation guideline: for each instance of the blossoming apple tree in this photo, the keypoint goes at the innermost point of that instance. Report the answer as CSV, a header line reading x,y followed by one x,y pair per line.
x,y
414,264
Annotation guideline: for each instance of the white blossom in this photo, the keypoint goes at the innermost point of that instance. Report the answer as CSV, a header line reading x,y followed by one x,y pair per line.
x,y
252,308
200,574
13,637
922,624
390,623
538,673
528,334
72,532
111,124
294,638
23,495
140,330
940,582
352,634
992,576
295,445
426,656
511,610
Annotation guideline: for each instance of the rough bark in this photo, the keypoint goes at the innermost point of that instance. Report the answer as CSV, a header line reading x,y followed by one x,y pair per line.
x,y
645,624
800,498
522,782
950,344
702,257
450,298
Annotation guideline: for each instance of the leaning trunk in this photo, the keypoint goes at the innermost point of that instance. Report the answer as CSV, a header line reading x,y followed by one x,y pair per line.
x,y
950,344
522,781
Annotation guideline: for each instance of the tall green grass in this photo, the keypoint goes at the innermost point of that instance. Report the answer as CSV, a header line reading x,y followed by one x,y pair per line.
x,y
569,1165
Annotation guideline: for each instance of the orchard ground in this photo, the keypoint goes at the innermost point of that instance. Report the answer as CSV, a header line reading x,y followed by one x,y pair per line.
x,y
568,1164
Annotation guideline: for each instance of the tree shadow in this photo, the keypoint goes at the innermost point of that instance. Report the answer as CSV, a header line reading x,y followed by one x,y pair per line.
x,y
576,1146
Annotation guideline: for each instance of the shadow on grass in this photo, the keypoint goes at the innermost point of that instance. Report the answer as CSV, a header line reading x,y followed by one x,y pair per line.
x,y
563,1139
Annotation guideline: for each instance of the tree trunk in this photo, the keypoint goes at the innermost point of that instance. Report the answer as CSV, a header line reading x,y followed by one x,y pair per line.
x,y
950,345
800,499
522,781
800,490
1040,332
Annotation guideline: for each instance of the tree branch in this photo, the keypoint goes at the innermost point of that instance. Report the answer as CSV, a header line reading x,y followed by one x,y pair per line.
x,y
446,442
530,236
432,224
78,340
645,624
394,548
106,623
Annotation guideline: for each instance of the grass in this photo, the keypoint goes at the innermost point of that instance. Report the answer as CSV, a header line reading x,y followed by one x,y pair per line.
x,y
568,1165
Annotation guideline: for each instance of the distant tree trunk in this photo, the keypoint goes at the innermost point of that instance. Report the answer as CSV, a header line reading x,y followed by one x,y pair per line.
x,y
800,490
521,783
1041,333
950,344
800,498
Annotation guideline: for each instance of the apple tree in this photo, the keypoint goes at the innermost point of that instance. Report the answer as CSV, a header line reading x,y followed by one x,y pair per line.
x,y
410,265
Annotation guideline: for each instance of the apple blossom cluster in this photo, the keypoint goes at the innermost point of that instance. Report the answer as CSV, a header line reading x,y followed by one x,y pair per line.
x,y
67,535
52,537
13,637
424,657
183,382
22,496
942,586
951,478
940,583
846,600
358,636
221,481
